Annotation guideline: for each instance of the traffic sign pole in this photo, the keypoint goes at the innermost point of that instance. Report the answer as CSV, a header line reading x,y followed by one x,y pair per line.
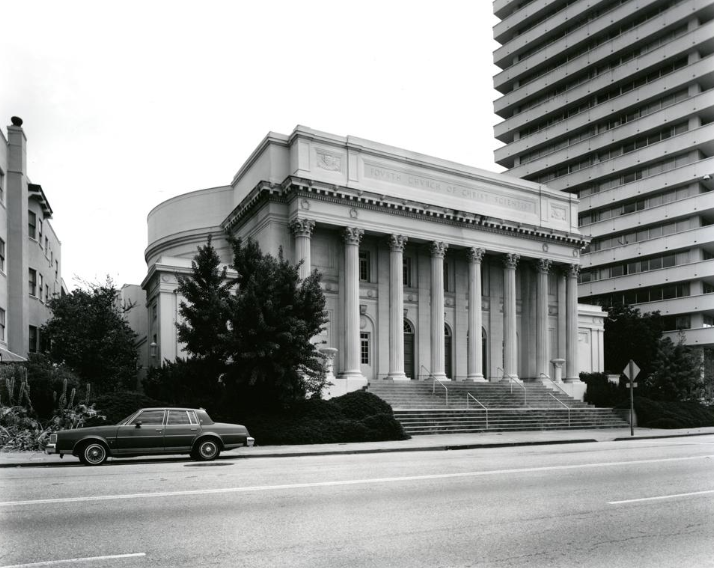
x,y
632,398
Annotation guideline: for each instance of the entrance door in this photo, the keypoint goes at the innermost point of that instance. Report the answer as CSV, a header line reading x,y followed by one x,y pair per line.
x,y
447,351
409,350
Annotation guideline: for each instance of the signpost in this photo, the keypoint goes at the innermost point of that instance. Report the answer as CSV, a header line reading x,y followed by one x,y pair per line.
x,y
631,371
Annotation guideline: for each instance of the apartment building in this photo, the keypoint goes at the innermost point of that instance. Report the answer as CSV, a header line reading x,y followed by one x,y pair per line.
x,y
30,252
612,101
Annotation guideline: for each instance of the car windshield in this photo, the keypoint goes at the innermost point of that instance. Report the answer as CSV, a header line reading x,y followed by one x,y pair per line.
x,y
127,419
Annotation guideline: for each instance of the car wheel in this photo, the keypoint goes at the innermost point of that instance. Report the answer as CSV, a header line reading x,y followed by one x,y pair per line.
x,y
206,450
93,453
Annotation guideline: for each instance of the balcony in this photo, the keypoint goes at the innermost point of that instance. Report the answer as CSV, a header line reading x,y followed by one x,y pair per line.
x,y
691,271
672,178
657,25
702,104
701,71
700,337
702,38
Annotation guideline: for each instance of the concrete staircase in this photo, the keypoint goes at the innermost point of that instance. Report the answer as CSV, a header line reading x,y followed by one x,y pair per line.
x,y
423,408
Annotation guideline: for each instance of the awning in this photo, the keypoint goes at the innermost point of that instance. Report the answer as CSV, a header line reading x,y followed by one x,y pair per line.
x,y
10,357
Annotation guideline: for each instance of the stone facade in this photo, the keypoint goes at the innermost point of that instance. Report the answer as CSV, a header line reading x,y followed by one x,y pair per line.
x,y
404,242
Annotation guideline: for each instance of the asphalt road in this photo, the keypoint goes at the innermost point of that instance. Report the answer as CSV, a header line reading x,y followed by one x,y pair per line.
x,y
644,503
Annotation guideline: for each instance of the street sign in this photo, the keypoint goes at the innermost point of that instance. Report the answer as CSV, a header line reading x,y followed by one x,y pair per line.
x,y
632,369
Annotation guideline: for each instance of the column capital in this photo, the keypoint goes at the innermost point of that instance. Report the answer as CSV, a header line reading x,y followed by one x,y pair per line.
x,y
397,242
572,270
510,260
543,265
302,227
352,235
475,254
438,249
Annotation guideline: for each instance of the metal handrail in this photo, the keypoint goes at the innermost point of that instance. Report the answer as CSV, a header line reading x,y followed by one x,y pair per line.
x,y
469,395
565,405
433,389
512,380
561,389
435,380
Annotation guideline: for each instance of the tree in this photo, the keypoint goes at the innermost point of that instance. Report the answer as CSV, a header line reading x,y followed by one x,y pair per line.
x,y
677,372
88,333
273,316
204,311
631,335
256,329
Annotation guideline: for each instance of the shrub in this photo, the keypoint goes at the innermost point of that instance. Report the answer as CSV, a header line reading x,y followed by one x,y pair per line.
x,y
669,414
354,417
601,392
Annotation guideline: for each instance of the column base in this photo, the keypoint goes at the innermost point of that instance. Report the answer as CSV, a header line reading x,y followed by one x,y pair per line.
x,y
397,377
543,378
477,378
441,377
511,378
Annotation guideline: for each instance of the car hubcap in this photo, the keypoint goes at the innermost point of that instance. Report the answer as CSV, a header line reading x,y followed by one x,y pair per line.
x,y
95,454
208,449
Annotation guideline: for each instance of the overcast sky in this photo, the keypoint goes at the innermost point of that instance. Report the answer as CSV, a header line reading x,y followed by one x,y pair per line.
x,y
126,104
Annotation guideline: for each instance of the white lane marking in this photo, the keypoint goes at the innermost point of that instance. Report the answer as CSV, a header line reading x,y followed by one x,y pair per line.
x,y
338,483
660,497
73,560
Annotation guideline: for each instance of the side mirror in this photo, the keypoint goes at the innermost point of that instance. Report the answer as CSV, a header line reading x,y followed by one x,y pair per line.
x,y
138,424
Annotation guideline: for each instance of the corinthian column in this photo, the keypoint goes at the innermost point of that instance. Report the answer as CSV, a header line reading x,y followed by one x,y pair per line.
x,y
510,339
352,238
474,357
396,308
438,251
571,324
302,232
542,267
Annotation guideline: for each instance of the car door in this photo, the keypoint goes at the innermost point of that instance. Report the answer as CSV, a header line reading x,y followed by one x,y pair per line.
x,y
144,434
180,431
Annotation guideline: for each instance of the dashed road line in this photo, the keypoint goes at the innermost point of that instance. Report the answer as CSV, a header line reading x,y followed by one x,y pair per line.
x,y
76,560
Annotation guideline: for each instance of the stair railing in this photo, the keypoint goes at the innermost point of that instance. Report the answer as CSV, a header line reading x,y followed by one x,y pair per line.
x,y
556,385
562,403
520,384
434,383
469,395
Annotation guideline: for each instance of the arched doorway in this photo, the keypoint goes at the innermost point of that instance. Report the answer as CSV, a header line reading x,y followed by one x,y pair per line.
x,y
447,351
409,350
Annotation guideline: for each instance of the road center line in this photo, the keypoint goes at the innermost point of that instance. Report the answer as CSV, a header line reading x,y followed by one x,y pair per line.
x,y
74,560
367,481
660,497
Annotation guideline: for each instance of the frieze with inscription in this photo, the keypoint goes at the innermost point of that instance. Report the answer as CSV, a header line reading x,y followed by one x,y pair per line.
x,y
474,194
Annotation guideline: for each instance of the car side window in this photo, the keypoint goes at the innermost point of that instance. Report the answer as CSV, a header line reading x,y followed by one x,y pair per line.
x,y
192,417
150,417
178,417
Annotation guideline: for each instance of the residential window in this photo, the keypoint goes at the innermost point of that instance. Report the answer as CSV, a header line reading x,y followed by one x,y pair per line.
x,y
364,348
41,287
33,282
2,186
33,339
31,225
2,324
364,272
39,232
56,269
47,292
407,271
2,255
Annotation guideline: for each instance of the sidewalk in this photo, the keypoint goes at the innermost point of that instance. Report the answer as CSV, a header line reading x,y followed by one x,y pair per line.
x,y
441,442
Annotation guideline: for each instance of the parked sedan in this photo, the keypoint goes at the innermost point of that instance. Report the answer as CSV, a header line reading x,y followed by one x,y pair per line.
x,y
152,431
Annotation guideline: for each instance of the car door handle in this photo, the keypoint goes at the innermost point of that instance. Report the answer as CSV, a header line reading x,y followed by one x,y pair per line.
x,y
159,429
194,429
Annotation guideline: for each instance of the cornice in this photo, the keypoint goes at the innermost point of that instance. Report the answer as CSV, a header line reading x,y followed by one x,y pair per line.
x,y
294,187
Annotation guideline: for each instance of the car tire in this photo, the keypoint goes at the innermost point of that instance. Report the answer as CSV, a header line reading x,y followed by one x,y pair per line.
x,y
93,453
207,449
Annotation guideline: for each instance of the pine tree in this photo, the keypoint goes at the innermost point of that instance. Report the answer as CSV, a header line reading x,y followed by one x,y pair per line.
x,y
203,310
274,316
677,374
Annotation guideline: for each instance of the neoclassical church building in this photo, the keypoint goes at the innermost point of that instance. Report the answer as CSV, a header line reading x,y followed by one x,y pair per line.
x,y
419,256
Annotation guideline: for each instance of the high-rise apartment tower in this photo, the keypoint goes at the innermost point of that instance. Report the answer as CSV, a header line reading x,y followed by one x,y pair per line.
x,y
612,100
